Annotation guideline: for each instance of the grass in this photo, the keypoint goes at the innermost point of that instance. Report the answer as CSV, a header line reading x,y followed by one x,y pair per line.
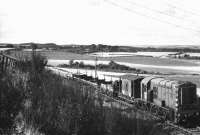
x,y
12,97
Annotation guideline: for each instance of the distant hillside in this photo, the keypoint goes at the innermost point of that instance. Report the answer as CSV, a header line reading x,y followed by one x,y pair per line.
x,y
97,48
180,46
104,48
108,48
28,45
172,49
39,45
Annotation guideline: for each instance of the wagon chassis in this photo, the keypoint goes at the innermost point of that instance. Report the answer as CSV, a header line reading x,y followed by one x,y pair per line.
x,y
157,111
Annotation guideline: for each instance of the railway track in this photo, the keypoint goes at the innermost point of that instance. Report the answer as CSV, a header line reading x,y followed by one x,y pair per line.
x,y
128,105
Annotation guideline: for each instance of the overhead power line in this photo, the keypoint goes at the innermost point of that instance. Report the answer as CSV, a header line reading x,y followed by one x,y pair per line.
x,y
151,17
179,7
159,12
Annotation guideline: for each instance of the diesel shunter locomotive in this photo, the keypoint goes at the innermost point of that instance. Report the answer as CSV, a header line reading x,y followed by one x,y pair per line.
x,y
171,99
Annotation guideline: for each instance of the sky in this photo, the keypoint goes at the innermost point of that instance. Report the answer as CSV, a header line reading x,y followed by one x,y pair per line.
x,y
113,22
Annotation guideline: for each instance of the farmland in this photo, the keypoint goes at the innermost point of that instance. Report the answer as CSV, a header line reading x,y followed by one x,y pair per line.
x,y
140,53
163,65
62,55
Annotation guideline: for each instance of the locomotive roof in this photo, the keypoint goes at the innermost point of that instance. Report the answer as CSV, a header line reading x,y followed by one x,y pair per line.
x,y
131,77
147,79
166,82
170,83
157,81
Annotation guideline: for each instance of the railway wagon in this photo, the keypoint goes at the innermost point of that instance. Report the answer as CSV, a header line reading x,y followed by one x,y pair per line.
x,y
106,87
130,85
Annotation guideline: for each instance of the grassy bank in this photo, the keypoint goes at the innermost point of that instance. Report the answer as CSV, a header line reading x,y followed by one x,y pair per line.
x,y
53,105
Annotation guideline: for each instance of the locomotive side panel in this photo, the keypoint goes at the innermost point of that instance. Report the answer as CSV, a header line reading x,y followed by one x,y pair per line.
x,y
157,91
145,87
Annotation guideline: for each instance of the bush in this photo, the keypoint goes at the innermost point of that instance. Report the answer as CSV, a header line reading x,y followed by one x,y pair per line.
x,y
36,63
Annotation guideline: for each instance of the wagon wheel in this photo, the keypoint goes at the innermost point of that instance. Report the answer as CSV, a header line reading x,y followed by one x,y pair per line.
x,y
148,106
138,105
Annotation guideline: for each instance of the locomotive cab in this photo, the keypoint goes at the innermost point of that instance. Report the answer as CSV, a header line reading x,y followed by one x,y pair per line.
x,y
177,98
188,108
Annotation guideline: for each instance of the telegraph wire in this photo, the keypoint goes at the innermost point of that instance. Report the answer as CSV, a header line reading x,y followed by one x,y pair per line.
x,y
192,12
154,18
159,12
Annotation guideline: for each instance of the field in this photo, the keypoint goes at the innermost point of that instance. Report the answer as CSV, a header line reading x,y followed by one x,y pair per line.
x,y
155,64
61,55
194,54
140,53
4,49
179,68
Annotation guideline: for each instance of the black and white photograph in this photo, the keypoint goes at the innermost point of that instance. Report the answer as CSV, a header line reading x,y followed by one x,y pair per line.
x,y
99,67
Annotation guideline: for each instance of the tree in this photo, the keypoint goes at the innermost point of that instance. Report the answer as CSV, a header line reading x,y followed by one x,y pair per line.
x,y
71,62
